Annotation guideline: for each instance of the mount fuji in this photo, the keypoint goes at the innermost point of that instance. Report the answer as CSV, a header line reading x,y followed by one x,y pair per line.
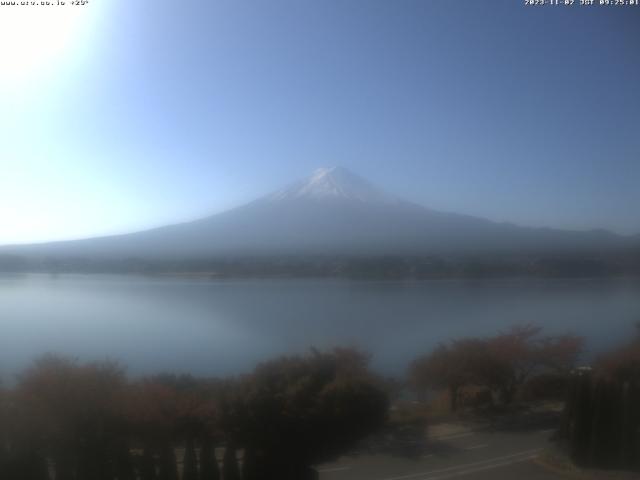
x,y
332,212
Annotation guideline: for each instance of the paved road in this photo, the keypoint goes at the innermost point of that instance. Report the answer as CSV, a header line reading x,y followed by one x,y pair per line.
x,y
475,455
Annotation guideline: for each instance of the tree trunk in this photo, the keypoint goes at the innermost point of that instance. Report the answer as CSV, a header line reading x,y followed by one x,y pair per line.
x,y
209,469
453,394
230,469
190,462
507,394
168,467
64,466
122,461
147,467
28,465
250,468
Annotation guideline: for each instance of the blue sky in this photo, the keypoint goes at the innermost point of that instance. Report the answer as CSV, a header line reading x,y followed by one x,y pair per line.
x,y
136,114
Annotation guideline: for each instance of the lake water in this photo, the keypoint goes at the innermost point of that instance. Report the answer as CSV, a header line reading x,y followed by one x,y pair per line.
x,y
224,327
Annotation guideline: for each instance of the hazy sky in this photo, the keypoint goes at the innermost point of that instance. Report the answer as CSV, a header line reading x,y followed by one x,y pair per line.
x,y
126,114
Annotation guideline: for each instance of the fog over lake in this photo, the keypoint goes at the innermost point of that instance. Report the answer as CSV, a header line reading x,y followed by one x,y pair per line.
x,y
212,327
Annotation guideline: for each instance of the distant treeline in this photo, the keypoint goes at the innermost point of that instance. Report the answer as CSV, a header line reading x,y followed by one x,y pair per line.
x,y
358,267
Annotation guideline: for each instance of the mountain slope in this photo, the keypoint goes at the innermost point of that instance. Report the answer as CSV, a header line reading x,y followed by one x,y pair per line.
x,y
332,212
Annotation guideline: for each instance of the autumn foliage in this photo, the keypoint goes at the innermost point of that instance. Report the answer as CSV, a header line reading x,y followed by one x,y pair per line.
x,y
622,364
503,364
72,421
301,411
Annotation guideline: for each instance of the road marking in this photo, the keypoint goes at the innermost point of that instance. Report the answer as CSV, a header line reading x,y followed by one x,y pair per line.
x,y
334,469
480,469
531,452
428,456
549,430
477,446
452,436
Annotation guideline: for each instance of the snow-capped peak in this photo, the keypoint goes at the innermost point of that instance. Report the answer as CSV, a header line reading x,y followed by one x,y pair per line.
x,y
335,183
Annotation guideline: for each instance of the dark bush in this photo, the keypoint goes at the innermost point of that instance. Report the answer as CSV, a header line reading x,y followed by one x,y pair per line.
x,y
546,386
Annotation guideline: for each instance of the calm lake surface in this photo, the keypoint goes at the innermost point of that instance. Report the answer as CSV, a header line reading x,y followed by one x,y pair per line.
x,y
225,327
